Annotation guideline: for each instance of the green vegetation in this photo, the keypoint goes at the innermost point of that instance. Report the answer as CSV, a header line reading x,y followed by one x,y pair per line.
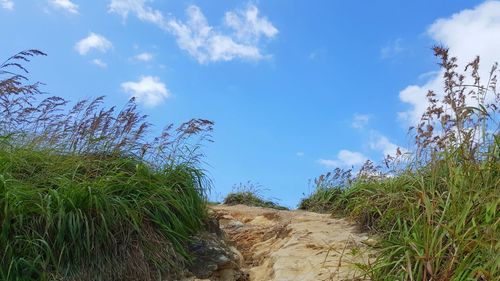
x,y
84,193
437,210
328,189
250,194
321,200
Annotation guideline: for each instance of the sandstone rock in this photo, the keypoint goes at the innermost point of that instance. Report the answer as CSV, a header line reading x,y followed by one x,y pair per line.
x,y
294,245
370,242
235,223
214,258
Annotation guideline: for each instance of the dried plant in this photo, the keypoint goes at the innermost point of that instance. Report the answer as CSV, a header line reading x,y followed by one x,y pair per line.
x,y
338,178
465,117
88,127
437,213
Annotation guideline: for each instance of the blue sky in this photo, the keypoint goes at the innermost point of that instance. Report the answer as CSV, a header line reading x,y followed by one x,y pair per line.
x,y
295,88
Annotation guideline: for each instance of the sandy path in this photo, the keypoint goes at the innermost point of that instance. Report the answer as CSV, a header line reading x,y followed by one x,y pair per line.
x,y
294,245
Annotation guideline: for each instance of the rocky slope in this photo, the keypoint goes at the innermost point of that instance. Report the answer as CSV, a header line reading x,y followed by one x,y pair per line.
x,y
280,245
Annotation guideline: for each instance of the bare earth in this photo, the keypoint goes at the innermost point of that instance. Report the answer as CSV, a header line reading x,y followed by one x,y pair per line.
x,y
294,245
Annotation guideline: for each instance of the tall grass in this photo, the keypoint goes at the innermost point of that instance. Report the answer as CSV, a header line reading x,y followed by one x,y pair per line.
x,y
250,194
86,194
438,217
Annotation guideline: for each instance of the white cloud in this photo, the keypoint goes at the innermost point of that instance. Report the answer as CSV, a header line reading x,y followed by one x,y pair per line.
x,y
93,41
7,4
139,9
468,33
99,63
345,158
145,57
206,44
66,5
317,53
149,90
313,55
248,26
428,75
202,41
329,163
359,121
300,154
383,144
391,49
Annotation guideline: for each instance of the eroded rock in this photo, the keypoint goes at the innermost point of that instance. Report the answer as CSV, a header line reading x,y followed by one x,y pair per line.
x,y
214,258
294,245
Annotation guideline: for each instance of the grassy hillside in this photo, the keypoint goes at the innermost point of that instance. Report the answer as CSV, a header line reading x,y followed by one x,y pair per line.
x,y
86,193
437,209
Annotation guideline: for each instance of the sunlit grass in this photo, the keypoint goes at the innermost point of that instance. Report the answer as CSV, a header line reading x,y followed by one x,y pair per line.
x,y
84,194
438,216
250,194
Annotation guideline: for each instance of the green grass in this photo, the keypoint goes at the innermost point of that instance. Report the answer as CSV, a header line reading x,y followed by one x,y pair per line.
x,y
85,196
68,216
250,194
438,216
251,199
440,222
321,200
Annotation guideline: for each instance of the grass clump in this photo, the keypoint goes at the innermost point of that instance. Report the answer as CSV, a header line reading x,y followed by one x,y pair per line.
x,y
327,190
250,194
84,193
438,212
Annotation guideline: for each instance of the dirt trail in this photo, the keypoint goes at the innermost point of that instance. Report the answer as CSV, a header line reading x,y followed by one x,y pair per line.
x,y
294,245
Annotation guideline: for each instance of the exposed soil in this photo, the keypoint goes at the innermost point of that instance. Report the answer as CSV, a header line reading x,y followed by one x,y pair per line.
x,y
294,245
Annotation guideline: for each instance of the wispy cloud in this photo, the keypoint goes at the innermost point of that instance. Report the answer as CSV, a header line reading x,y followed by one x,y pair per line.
x,y
317,53
345,159
391,49
65,5
7,4
203,41
381,143
359,121
248,25
149,90
300,154
428,75
99,63
313,55
139,9
467,34
93,41
206,44
145,57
